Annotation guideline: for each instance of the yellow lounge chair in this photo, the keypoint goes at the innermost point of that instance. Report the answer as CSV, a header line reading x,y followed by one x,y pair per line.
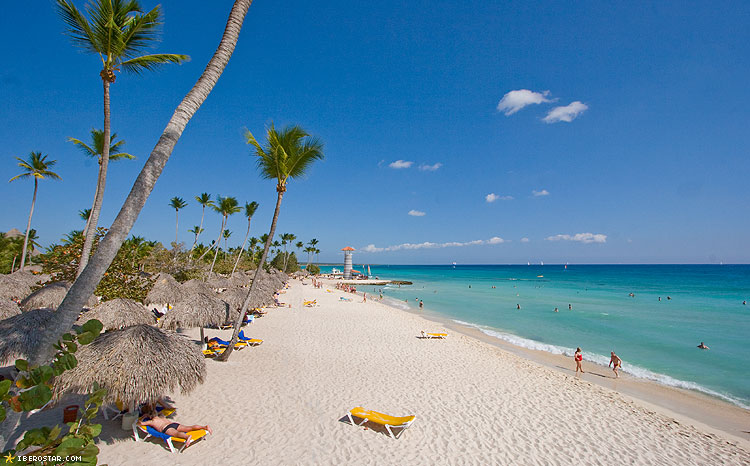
x,y
433,335
390,422
195,435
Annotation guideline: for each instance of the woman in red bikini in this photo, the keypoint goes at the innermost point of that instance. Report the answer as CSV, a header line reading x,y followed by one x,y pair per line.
x,y
578,358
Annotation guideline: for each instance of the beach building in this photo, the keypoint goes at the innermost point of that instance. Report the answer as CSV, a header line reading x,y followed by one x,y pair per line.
x,y
348,262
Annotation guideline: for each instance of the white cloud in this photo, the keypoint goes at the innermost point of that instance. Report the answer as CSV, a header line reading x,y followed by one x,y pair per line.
x,y
525,240
401,164
430,168
431,245
416,213
567,113
543,192
492,197
514,101
580,237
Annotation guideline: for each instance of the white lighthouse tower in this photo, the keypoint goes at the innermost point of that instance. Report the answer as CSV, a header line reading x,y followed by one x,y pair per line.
x,y
348,262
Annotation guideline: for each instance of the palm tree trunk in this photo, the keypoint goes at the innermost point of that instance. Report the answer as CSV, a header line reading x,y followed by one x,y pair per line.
x,y
218,242
96,192
242,248
176,224
237,325
84,286
88,241
28,225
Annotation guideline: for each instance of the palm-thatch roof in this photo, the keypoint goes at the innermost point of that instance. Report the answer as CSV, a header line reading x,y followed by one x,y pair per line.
x,y
50,296
137,364
119,313
196,310
166,290
217,282
194,286
11,288
20,335
31,279
240,279
8,308
235,297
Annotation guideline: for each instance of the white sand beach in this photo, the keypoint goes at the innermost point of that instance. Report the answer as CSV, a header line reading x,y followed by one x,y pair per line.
x,y
285,402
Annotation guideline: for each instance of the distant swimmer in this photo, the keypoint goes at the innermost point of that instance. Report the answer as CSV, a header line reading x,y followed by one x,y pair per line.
x,y
703,346
669,298
556,310
518,306
614,359
421,304
659,298
570,307
578,358
632,295
744,303
469,286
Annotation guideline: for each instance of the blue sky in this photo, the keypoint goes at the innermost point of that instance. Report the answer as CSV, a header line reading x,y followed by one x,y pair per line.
x,y
653,170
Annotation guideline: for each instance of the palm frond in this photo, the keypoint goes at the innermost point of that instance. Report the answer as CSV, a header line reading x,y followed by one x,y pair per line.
x,y
151,62
84,147
140,32
78,28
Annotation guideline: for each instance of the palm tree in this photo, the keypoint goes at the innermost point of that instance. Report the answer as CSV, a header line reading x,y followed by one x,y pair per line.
x,y
177,203
85,214
84,286
287,154
276,245
287,238
38,167
250,208
95,150
309,250
205,201
312,243
299,245
118,31
226,235
196,230
225,206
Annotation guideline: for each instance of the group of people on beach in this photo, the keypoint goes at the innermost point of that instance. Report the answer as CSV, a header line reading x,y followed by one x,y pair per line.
x,y
613,360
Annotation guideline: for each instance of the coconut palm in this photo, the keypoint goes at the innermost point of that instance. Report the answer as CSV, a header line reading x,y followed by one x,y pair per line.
x,y
196,230
250,208
85,214
288,153
287,238
109,245
225,206
309,250
299,245
118,31
95,150
38,167
226,236
205,201
177,203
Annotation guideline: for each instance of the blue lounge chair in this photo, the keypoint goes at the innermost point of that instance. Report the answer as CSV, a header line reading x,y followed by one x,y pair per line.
x,y
224,343
249,341
168,439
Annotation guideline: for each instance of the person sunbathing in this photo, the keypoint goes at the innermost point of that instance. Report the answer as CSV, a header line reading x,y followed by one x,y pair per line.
x,y
173,429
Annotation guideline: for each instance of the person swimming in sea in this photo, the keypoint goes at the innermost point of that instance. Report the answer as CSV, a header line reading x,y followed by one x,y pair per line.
x,y
518,306
614,359
570,307
556,310
703,346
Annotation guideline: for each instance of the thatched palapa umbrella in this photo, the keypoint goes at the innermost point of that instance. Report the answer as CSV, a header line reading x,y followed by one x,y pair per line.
x,y
8,308
240,279
166,290
13,289
136,365
194,286
196,310
21,335
50,296
119,313
219,282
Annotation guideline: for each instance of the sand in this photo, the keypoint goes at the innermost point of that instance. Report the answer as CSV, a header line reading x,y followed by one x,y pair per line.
x,y
285,402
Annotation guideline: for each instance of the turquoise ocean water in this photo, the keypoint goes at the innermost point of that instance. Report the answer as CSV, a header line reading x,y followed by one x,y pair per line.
x,y
656,339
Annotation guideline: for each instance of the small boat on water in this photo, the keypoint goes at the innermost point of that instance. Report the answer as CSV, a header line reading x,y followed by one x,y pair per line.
x,y
540,276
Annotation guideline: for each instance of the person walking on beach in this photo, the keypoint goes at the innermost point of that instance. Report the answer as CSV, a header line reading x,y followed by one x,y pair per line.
x,y
614,359
578,358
